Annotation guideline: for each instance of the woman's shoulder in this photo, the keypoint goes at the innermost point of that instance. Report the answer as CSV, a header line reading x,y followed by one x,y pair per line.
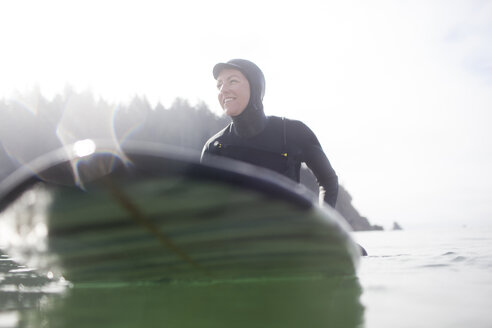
x,y
290,124
296,131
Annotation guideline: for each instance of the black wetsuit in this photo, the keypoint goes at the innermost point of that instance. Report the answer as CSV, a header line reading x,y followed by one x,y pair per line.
x,y
270,142
281,146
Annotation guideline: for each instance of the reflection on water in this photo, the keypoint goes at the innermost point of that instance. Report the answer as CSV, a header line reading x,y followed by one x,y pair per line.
x,y
320,302
22,289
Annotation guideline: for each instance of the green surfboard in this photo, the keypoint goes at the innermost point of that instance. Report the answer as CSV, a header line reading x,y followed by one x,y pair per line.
x,y
147,213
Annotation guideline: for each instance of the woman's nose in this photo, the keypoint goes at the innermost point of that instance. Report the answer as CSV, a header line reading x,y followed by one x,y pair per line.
x,y
223,89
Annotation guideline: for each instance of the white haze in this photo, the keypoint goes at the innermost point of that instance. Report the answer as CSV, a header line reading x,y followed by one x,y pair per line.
x,y
398,92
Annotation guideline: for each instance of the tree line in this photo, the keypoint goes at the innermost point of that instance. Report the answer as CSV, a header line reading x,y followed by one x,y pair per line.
x,y
32,125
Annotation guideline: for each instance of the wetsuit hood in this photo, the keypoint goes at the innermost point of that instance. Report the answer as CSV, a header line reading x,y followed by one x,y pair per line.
x,y
252,120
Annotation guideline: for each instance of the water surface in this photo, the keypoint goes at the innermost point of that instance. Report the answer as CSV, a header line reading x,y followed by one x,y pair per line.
x,y
409,279
427,279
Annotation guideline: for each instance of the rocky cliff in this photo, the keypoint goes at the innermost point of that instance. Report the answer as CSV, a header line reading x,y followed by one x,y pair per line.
x,y
344,204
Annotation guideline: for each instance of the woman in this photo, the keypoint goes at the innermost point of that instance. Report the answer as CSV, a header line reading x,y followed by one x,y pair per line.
x,y
272,142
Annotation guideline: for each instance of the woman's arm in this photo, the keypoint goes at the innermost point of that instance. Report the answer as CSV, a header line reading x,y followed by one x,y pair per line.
x,y
315,158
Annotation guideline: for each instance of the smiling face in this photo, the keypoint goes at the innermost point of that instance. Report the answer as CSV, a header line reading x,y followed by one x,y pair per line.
x,y
234,91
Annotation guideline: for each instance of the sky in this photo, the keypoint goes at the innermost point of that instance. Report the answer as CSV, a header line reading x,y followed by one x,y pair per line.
x,y
399,93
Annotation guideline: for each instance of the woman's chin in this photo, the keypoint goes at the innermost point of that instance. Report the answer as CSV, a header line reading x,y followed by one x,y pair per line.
x,y
232,111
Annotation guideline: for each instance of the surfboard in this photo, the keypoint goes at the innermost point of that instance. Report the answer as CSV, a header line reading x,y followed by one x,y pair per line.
x,y
150,213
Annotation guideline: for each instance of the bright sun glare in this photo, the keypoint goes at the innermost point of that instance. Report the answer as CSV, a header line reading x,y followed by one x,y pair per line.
x,y
84,148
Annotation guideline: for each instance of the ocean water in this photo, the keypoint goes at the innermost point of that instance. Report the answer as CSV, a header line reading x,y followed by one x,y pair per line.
x,y
427,278
410,279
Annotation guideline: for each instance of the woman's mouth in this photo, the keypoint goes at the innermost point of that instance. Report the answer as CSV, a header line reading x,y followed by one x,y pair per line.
x,y
229,99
